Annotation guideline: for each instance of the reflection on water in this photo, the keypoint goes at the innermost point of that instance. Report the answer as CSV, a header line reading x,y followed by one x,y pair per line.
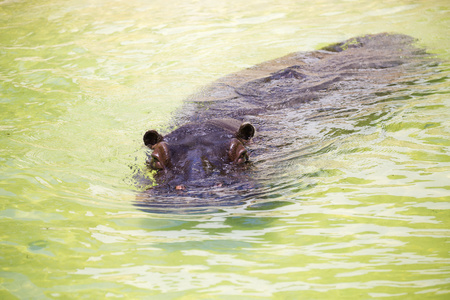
x,y
355,207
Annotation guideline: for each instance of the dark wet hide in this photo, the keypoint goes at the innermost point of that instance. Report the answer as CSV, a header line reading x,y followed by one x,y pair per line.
x,y
302,105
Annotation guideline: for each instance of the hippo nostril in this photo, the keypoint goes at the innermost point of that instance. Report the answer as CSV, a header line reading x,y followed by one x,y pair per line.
x,y
180,187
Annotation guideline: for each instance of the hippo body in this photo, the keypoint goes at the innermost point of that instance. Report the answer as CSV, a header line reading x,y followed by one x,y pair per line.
x,y
280,99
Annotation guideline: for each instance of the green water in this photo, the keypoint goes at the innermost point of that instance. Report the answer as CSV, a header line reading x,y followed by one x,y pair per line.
x,y
81,81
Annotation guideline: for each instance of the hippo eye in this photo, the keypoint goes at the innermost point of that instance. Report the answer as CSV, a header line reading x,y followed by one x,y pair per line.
x,y
243,157
160,158
237,152
155,163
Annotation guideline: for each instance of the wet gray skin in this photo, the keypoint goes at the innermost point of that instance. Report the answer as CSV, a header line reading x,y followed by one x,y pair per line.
x,y
281,98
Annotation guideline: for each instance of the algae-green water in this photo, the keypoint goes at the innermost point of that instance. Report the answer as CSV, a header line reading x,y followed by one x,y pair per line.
x,y
81,81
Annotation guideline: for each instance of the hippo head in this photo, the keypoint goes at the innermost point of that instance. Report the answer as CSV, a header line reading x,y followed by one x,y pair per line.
x,y
199,154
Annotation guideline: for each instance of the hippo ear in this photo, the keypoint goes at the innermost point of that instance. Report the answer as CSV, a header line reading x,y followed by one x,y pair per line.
x,y
151,138
246,131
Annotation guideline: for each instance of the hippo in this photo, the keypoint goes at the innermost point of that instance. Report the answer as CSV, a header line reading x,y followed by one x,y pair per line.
x,y
269,112
196,151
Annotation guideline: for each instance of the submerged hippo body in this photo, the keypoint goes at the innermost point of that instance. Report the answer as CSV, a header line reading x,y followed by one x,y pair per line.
x,y
282,99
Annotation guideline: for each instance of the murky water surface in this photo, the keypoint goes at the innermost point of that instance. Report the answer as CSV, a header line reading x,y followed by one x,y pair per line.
x,y
358,207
